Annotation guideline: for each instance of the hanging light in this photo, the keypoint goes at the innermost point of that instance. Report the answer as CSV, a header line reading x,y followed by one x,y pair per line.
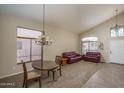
x,y
117,27
43,39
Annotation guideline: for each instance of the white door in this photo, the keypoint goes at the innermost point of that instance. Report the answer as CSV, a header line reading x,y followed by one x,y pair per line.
x,y
117,51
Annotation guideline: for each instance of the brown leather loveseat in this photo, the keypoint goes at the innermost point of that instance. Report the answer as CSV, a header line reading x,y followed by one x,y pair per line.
x,y
72,57
92,57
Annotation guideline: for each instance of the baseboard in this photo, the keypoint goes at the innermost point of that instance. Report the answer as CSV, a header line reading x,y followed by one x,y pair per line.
x,y
116,63
5,76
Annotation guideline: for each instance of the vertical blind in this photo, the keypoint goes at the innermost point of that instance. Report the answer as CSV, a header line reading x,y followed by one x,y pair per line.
x,y
27,49
89,44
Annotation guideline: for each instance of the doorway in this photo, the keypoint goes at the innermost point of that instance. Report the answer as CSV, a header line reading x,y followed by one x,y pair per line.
x,y
117,51
117,45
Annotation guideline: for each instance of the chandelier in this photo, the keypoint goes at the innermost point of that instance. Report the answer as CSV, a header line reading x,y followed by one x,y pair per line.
x,y
43,39
117,27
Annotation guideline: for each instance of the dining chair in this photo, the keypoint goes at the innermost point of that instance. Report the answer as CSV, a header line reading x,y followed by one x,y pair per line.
x,y
58,62
29,76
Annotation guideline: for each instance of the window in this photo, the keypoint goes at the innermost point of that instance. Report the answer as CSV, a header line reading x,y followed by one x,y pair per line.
x,y
117,33
27,49
89,44
90,39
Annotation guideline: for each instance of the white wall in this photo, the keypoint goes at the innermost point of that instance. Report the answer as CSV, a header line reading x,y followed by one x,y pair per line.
x,y
63,41
8,27
102,31
0,41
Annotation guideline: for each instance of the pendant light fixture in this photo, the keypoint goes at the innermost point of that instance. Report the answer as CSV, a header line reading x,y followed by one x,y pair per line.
x,y
117,30
116,26
43,39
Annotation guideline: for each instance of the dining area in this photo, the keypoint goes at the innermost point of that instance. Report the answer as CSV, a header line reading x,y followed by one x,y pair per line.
x,y
36,75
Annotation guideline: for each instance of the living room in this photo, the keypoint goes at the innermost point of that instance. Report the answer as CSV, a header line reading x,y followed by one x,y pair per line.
x,y
71,28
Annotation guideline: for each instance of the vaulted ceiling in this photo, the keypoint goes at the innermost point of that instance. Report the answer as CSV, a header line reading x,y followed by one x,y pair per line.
x,y
76,17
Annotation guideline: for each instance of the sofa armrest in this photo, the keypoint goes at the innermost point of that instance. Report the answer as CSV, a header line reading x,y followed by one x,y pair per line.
x,y
83,56
98,56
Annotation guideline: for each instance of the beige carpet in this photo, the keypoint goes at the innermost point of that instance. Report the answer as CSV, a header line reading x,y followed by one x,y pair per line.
x,y
77,75
73,76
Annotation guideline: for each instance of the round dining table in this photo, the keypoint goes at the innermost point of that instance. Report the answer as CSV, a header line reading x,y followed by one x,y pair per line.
x,y
47,65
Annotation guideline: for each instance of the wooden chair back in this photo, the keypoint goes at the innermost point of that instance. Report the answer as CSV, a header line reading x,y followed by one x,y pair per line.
x,y
24,70
58,59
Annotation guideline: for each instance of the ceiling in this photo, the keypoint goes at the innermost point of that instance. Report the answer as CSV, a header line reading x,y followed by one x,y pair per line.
x,y
76,17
